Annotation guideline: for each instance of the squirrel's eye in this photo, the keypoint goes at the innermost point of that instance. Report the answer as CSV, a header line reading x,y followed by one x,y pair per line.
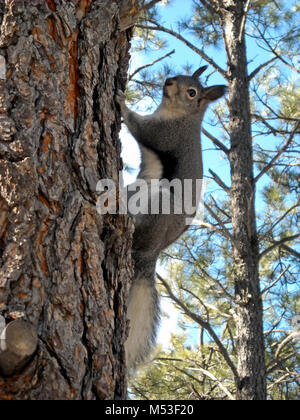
x,y
192,93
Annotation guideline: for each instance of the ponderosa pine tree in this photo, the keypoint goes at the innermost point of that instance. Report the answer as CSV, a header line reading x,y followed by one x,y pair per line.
x,y
64,269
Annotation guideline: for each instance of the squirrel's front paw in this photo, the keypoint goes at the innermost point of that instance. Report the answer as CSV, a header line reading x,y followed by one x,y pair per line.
x,y
120,97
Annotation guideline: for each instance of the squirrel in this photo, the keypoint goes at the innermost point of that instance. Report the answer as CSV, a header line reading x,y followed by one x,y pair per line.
x,y
169,140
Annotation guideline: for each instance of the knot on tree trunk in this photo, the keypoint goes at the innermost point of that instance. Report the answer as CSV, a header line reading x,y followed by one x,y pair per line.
x,y
18,342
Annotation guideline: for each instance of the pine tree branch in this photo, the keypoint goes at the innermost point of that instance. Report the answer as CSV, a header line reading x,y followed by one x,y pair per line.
x,y
275,52
150,64
281,218
261,67
229,217
218,283
278,365
198,319
285,342
244,19
218,180
279,154
207,305
214,228
278,244
276,115
273,130
291,251
202,54
220,385
222,226
276,281
216,142
210,376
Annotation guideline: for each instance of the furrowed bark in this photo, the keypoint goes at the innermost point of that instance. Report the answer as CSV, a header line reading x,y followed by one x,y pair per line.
x,y
249,316
64,269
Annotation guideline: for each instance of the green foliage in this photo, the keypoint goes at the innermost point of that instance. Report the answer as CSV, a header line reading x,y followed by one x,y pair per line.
x,y
203,25
185,375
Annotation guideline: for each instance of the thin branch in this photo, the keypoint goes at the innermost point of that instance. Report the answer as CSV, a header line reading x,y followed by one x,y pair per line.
x,y
277,330
281,380
275,52
219,284
275,281
278,244
219,181
277,5
259,68
204,325
200,369
209,226
285,342
170,359
216,142
202,54
207,305
189,375
222,210
291,251
276,115
138,391
279,154
220,385
196,393
281,218
273,130
208,374
243,24
150,64
276,323
197,298
148,83
222,225
280,362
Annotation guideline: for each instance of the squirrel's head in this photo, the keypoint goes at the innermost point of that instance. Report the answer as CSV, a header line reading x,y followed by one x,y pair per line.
x,y
186,95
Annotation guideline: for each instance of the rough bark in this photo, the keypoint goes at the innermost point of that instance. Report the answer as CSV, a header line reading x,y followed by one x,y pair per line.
x,y
249,316
63,268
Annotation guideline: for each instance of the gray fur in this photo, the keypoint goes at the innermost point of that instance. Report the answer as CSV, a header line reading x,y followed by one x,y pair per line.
x,y
170,144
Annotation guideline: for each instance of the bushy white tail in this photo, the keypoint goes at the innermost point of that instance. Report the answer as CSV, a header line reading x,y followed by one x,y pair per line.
x,y
143,314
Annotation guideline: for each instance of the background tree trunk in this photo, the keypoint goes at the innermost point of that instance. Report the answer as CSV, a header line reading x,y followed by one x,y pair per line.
x,y
249,316
63,268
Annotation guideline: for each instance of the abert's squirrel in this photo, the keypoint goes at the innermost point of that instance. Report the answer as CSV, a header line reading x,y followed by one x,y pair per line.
x,y
169,140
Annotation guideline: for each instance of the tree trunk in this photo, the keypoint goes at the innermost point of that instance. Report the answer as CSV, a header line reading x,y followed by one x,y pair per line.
x,y
249,316
63,268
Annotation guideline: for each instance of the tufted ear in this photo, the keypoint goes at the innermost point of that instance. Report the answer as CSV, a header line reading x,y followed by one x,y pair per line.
x,y
214,92
198,72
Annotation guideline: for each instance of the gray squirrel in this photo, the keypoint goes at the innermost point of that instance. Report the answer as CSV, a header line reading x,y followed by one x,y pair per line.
x,y
169,140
